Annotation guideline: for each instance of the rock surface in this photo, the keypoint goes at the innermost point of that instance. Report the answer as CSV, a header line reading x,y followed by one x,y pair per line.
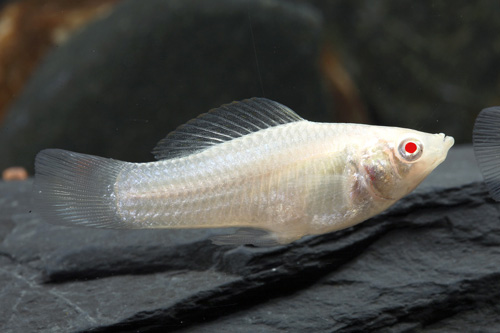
x,y
124,82
428,264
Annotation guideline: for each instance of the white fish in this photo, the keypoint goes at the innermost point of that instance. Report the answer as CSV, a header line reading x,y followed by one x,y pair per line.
x,y
251,164
486,144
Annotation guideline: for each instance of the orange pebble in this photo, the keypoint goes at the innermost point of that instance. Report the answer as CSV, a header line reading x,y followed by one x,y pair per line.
x,y
14,173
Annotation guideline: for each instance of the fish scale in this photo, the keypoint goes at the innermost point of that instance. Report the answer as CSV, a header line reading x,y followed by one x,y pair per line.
x,y
207,183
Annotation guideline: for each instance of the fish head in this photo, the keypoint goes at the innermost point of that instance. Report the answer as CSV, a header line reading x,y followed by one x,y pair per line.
x,y
399,159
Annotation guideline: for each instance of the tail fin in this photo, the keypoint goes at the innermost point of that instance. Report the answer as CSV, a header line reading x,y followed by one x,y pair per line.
x,y
486,143
76,189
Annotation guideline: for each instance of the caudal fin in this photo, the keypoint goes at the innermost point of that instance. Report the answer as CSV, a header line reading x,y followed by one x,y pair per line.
x,y
76,189
486,143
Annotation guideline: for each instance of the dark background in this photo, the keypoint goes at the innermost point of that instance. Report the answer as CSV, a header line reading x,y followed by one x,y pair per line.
x,y
114,77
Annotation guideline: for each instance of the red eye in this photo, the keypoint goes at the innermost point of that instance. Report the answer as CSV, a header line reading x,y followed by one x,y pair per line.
x,y
410,147
410,150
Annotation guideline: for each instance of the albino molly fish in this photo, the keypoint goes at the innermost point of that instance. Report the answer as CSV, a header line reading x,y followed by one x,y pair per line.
x,y
251,164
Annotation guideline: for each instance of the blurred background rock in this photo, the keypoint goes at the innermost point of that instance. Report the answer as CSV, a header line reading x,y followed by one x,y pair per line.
x,y
113,77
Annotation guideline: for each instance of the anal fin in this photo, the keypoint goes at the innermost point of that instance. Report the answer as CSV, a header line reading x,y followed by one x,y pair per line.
x,y
247,236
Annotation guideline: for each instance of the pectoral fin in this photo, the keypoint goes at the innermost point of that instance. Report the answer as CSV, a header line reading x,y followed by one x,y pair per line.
x,y
327,193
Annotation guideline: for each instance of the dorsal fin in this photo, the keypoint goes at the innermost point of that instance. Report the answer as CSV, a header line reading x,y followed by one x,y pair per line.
x,y
228,122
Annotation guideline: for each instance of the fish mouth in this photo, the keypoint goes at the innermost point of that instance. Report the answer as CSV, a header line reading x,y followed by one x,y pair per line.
x,y
448,141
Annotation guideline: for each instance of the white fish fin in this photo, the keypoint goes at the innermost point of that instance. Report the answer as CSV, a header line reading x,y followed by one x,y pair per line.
x,y
247,236
320,191
326,191
486,144
76,189
222,124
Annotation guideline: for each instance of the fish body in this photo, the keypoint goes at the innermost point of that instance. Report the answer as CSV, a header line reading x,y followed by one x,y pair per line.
x,y
252,164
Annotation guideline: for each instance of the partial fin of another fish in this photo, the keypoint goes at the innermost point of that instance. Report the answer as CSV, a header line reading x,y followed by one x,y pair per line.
x,y
246,236
228,122
486,143
76,189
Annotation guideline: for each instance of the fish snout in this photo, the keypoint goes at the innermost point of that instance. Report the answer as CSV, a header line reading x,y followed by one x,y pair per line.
x,y
448,141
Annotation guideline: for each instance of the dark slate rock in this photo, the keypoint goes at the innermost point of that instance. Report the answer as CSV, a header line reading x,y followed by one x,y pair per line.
x,y
125,81
428,65
428,264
